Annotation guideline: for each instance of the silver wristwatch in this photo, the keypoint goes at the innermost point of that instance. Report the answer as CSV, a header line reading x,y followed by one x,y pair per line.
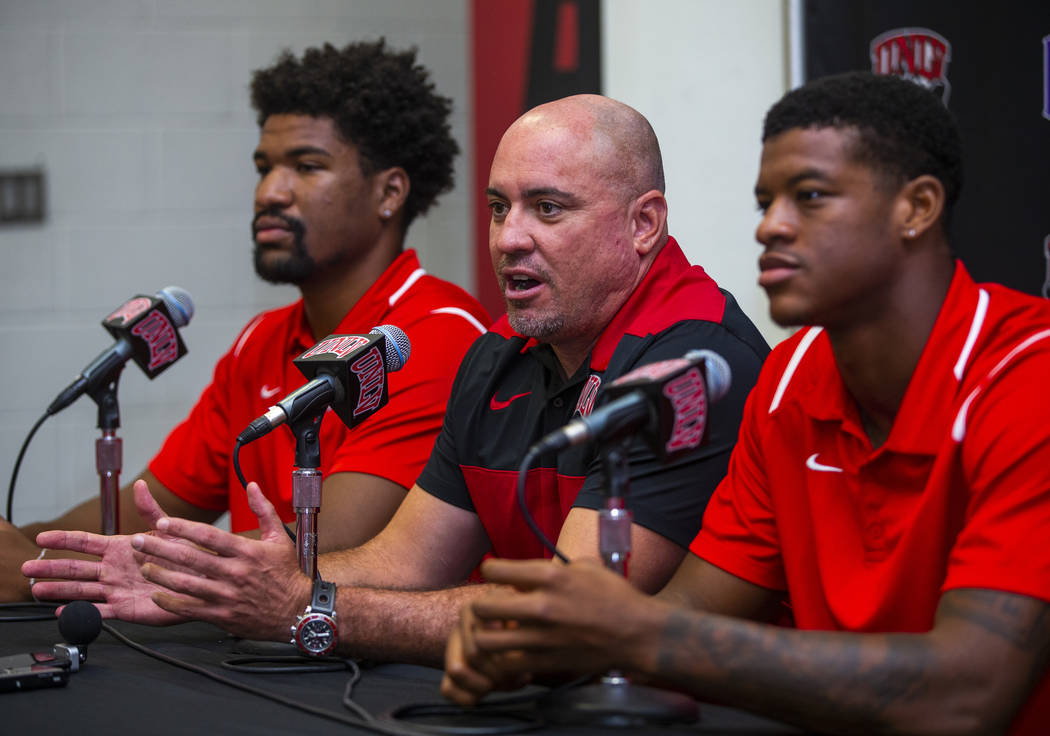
x,y
315,631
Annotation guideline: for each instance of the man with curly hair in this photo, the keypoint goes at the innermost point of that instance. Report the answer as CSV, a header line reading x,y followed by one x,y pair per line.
x,y
354,144
891,485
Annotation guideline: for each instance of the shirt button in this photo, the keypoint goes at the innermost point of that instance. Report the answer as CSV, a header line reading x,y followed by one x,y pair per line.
x,y
558,402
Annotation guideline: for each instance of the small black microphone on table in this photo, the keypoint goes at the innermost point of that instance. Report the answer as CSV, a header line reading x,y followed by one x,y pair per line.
x,y
80,624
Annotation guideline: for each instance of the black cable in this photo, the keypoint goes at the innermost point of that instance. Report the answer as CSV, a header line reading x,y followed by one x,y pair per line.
x,y
523,475
372,724
363,719
287,664
519,721
18,464
237,464
47,612
244,483
492,707
349,703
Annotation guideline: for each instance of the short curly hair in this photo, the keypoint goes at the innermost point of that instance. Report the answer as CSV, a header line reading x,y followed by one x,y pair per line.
x,y
903,129
381,101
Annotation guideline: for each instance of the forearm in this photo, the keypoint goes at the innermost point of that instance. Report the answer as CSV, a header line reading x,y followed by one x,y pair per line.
x,y
87,516
827,681
398,625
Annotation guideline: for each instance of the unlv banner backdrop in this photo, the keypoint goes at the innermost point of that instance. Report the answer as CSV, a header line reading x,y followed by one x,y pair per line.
x,y
991,66
525,53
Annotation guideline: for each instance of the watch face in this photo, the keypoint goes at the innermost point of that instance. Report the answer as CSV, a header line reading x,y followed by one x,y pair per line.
x,y
316,634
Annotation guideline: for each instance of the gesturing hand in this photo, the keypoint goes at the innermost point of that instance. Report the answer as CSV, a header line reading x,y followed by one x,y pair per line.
x,y
251,588
114,581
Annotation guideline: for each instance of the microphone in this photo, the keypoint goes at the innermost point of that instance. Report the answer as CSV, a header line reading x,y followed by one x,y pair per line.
x,y
146,329
667,401
80,624
347,372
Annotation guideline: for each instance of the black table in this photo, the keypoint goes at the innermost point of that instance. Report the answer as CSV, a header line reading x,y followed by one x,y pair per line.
x,y
121,690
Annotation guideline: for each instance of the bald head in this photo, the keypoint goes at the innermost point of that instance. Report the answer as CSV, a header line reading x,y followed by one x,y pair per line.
x,y
622,143
578,216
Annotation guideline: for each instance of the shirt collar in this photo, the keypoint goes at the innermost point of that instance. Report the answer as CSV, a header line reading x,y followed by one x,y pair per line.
x,y
651,307
373,306
644,303
926,411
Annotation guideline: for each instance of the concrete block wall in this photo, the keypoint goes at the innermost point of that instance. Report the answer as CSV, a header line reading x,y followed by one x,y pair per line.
x,y
137,110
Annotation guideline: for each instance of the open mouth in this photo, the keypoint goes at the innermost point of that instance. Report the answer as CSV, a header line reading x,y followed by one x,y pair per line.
x,y
521,283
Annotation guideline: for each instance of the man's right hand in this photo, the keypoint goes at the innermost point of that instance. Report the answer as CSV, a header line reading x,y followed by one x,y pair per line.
x,y
114,581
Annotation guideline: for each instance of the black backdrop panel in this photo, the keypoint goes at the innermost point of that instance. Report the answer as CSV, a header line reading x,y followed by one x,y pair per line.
x,y
998,77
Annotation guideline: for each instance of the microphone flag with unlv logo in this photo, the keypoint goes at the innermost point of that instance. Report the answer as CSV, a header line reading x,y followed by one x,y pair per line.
x,y
360,364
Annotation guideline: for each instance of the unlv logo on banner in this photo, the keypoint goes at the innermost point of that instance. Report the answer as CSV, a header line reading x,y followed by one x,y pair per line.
x,y
918,54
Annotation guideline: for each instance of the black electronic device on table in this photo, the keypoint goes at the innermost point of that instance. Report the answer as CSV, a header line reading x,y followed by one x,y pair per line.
x,y
80,623
32,671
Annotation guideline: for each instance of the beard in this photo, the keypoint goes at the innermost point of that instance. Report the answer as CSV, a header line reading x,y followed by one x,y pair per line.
x,y
540,326
296,267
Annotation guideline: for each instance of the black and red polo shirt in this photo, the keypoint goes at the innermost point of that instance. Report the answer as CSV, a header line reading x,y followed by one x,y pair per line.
x,y
509,392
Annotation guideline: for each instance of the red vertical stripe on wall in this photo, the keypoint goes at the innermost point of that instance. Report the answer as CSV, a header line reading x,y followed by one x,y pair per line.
x,y
500,33
567,38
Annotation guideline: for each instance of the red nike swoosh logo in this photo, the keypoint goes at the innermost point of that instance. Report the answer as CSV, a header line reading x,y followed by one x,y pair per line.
x,y
496,404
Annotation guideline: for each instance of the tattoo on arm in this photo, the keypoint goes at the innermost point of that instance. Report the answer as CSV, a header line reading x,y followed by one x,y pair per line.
x,y
1011,617
872,682
1022,622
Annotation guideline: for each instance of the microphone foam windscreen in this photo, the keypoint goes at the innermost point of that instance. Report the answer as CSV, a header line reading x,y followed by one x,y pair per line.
x,y
80,623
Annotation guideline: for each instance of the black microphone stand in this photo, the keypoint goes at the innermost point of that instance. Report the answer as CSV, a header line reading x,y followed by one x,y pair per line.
x,y
306,488
109,450
612,700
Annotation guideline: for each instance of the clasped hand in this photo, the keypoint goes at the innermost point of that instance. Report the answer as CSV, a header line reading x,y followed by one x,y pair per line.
x,y
552,619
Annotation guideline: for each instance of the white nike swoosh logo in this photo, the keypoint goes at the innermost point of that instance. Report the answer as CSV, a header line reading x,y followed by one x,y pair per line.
x,y
268,393
812,464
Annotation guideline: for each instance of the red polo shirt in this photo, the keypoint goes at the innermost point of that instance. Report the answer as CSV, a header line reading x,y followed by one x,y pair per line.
x,y
867,539
441,321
